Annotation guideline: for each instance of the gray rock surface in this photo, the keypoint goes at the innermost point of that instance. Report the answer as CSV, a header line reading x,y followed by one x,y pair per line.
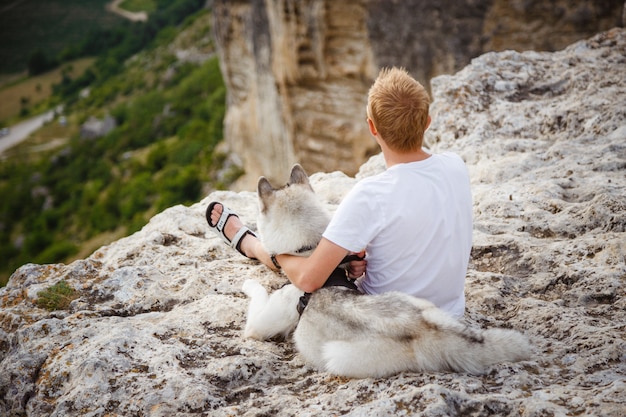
x,y
156,329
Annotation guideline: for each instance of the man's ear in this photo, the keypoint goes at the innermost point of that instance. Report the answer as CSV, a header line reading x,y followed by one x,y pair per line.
x,y
428,123
372,127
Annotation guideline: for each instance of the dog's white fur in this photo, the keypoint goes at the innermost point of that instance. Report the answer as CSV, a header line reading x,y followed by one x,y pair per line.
x,y
347,333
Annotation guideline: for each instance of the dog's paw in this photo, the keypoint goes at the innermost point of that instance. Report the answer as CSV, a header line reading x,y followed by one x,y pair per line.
x,y
250,287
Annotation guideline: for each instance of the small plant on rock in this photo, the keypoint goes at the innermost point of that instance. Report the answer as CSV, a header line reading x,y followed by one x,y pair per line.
x,y
57,297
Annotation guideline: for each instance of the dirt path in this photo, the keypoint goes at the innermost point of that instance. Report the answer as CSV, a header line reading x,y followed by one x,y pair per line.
x,y
135,17
20,131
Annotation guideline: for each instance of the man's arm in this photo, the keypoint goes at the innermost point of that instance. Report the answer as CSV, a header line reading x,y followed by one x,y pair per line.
x,y
310,273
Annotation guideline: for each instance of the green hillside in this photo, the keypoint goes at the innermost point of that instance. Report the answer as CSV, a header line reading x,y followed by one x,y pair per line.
x,y
64,197
49,26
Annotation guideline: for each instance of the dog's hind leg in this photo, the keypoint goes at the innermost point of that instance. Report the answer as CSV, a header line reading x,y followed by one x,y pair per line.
x,y
363,358
273,315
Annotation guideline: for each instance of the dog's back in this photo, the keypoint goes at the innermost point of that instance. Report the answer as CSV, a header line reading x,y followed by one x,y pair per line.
x,y
355,335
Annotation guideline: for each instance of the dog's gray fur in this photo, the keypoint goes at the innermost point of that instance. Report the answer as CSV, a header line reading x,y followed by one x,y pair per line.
x,y
346,333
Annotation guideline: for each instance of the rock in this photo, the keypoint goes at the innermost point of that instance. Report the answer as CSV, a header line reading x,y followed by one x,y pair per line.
x,y
95,128
297,72
156,328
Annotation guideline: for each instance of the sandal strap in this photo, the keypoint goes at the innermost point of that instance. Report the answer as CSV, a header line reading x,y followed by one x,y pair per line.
x,y
234,243
221,223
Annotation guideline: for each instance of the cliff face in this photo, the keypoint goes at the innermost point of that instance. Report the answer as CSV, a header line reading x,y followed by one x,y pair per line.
x,y
298,71
156,326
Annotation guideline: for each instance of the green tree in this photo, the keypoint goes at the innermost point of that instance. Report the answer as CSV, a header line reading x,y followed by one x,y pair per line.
x,y
39,63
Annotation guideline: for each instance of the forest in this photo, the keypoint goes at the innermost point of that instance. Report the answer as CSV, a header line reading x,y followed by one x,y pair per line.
x,y
67,201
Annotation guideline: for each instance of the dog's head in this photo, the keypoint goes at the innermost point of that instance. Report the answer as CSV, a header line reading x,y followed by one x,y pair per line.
x,y
292,219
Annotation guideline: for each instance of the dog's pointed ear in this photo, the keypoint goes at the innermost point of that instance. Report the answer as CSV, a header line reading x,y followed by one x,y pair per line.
x,y
265,191
298,176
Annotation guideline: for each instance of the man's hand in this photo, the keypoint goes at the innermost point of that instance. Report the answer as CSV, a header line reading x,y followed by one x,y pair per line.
x,y
356,269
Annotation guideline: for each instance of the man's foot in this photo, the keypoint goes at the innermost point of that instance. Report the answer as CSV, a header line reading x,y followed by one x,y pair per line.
x,y
225,223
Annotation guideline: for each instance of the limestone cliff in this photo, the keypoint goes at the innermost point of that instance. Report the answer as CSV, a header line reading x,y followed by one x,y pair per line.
x,y
298,71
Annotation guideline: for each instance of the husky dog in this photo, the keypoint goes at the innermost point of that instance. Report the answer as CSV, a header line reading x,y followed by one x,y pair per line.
x,y
345,332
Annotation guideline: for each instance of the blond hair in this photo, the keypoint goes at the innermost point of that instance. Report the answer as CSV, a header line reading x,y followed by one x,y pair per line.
x,y
398,106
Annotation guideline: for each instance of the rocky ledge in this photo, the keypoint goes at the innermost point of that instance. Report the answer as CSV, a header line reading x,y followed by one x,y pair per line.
x,y
155,326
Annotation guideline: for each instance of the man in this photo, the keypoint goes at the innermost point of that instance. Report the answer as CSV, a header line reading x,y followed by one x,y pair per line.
x,y
413,221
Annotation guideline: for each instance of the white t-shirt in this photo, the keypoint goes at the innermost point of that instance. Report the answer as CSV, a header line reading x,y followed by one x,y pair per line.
x,y
415,222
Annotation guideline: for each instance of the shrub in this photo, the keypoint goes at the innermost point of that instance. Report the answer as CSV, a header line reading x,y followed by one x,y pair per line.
x,y
57,297
39,63
56,251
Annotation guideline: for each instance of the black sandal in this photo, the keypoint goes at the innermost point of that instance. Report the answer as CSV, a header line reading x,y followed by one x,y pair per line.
x,y
218,228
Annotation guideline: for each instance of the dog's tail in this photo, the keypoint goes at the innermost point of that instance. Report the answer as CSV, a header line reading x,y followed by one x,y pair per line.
x,y
462,349
491,347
